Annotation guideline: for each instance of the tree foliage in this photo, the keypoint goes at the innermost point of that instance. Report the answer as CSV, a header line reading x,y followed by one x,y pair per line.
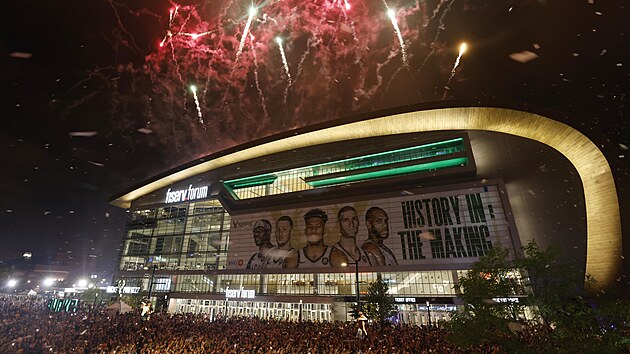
x,y
93,296
378,304
490,291
135,300
555,311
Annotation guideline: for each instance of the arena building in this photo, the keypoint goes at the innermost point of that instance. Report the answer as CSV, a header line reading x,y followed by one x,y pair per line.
x,y
292,226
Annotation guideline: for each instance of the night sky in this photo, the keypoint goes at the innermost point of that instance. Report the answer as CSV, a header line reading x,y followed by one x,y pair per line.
x,y
92,104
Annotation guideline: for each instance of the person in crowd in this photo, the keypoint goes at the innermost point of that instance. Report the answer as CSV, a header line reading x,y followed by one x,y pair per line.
x,y
361,330
27,325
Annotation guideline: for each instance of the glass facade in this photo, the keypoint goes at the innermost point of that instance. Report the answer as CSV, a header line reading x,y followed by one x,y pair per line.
x,y
373,166
179,250
191,236
187,245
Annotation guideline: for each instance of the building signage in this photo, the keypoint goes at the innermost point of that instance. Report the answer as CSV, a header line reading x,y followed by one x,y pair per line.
x,y
405,299
182,195
444,227
239,293
446,308
125,290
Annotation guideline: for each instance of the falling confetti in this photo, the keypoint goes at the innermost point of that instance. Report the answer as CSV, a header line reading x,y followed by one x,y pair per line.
x,y
21,55
83,134
524,56
96,163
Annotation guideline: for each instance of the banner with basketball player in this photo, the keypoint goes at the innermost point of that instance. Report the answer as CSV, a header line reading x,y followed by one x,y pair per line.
x,y
456,226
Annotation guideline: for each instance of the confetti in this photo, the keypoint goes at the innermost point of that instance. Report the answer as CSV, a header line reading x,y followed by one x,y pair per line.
x,y
524,56
21,55
83,134
144,131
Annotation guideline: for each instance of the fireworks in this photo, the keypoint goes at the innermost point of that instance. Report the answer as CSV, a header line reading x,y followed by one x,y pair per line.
x,y
392,15
252,13
462,49
284,58
193,88
231,54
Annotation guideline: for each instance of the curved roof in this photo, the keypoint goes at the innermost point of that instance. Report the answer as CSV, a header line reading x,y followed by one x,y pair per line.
x,y
604,238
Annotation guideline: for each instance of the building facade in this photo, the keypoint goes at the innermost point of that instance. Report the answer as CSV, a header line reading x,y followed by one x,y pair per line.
x,y
294,232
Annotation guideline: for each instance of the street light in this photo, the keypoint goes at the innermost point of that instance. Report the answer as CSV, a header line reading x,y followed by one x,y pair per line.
x,y
49,281
356,281
151,283
429,312
12,283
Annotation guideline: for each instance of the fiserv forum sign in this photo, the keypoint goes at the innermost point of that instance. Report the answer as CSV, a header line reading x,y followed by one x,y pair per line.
x,y
183,195
454,226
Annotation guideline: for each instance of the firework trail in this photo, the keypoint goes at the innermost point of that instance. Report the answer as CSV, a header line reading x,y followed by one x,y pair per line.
x,y
178,71
392,15
252,13
335,46
286,67
193,88
462,49
284,58
171,15
257,80
437,33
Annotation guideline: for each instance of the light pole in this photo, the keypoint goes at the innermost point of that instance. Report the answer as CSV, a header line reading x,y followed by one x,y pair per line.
x,y
151,283
429,312
356,282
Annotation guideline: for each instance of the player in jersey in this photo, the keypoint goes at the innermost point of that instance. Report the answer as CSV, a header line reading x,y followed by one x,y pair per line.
x,y
315,253
283,256
262,238
346,250
377,223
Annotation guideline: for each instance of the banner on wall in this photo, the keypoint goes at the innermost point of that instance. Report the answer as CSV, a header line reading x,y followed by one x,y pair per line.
x,y
456,226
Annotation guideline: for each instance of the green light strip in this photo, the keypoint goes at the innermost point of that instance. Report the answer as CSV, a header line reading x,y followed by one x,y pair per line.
x,y
251,181
421,147
391,172
266,179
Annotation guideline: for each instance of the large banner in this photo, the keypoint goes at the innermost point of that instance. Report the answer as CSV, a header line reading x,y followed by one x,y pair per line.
x,y
456,226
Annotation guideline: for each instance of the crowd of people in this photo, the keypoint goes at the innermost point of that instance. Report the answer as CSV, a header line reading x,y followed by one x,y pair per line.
x,y
28,326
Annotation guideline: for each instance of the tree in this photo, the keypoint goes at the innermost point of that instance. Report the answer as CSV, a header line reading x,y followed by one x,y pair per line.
x,y
549,283
378,304
135,300
491,291
92,296
565,316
